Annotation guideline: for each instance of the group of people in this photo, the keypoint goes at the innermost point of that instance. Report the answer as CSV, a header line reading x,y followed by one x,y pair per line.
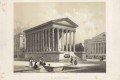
x,y
73,61
101,58
34,64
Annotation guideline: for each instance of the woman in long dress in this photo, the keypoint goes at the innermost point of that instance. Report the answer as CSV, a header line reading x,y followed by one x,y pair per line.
x,y
31,62
75,62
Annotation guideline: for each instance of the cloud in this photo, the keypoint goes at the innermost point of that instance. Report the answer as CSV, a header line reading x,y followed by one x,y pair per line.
x,y
91,21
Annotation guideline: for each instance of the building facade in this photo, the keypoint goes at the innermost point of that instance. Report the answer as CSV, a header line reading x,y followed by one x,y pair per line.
x,y
51,40
95,47
19,45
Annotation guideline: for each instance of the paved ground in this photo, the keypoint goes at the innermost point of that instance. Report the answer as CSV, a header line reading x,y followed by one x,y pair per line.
x,y
100,68
82,67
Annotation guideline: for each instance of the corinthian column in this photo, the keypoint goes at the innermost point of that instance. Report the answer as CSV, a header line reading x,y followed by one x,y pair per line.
x,y
43,41
103,48
62,40
38,46
26,43
49,40
70,41
66,40
57,39
74,41
33,42
46,40
52,39
39,42
95,48
36,42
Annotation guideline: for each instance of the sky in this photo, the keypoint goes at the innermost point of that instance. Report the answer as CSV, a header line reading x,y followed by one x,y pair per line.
x,y
89,16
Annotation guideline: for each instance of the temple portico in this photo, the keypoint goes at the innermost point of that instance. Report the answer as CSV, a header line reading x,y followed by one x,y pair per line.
x,y
51,39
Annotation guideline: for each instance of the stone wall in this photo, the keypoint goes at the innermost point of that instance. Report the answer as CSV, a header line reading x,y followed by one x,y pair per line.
x,y
54,56
49,57
81,55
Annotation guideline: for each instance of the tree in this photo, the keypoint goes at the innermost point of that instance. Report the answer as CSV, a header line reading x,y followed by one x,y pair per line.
x,y
79,47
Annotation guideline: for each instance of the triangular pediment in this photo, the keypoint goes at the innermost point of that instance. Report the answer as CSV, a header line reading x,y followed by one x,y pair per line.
x,y
65,22
102,35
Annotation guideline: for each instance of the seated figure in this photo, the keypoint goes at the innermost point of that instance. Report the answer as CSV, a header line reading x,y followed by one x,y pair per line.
x,y
35,65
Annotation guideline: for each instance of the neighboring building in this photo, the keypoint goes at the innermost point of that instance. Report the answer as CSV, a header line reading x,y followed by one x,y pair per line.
x,y
96,47
19,45
51,40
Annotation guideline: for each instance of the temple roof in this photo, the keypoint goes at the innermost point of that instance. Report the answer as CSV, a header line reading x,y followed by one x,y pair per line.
x,y
62,21
102,35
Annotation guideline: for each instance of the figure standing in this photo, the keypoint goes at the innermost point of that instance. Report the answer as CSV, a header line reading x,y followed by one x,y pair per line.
x,y
31,62
71,61
44,63
101,58
42,59
40,62
75,62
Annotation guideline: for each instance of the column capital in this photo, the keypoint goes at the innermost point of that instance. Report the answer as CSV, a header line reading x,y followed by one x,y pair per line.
x,y
74,31
52,28
70,31
57,29
66,30
62,29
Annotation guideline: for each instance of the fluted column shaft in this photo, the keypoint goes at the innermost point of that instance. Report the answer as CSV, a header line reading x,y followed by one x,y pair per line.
x,y
43,41
74,41
103,47
27,43
66,40
62,40
46,42
37,41
33,42
52,39
57,39
70,41
40,41
49,40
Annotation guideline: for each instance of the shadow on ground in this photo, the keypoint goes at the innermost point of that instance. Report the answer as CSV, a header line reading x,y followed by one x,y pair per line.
x,y
99,68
